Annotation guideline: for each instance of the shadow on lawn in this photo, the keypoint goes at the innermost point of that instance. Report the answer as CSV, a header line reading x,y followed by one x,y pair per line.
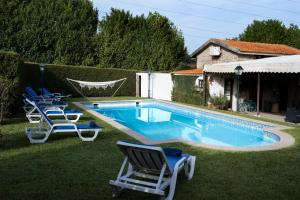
x,y
14,121
63,168
84,169
14,141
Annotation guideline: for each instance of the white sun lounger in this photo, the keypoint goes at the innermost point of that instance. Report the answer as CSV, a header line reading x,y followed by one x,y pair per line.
x,y
42,103
34,116
46,127
145,163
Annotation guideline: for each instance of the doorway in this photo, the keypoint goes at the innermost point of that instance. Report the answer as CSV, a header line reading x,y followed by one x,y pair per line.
x,y
228,89
140,86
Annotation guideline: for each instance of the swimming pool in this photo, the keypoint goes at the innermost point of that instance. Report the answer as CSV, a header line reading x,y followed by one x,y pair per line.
x,y
158,122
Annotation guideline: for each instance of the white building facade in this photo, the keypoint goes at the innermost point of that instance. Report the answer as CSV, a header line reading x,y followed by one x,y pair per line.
x,y
154,85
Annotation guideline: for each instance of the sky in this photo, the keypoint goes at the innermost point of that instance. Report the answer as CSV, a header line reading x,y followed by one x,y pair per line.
x,y
204,19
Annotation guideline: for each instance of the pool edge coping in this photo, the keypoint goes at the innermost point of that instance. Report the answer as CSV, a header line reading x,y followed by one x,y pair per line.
x,y
286,140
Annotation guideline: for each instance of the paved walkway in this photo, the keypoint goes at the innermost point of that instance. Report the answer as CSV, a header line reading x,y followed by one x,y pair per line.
x,y
276,117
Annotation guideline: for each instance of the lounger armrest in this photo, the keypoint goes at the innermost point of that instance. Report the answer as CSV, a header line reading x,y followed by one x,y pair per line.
x,y
38,97
62,121
56,110
51,96
180,162
65,124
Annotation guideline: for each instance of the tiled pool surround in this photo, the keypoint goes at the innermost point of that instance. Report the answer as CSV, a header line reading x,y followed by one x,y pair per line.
x,y
271,130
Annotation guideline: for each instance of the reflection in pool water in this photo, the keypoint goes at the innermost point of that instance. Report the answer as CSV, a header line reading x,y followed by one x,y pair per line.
x,y
158,121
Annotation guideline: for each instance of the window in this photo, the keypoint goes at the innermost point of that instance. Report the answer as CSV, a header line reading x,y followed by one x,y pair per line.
x,y
200,84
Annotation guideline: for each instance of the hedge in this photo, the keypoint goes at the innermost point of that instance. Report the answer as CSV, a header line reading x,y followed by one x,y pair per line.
x,y
184,90
55,79
10,64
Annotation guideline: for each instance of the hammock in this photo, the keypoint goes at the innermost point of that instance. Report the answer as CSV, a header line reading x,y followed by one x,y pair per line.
x,y
97,85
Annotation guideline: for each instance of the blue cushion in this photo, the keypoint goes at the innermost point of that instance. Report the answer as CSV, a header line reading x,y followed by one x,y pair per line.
x,y
64,128
91,125
56,112
51,104
172,160
30,91
72,111
172,151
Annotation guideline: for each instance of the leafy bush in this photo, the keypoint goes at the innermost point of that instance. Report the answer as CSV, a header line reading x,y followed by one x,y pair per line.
x,y
55,79
139,42
10,64
220,102
184,90
60,31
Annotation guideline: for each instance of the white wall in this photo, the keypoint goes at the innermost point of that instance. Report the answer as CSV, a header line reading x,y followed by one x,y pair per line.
x,y
161,85
216,86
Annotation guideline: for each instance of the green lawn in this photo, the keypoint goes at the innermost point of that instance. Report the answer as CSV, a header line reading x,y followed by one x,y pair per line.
x,y
66,168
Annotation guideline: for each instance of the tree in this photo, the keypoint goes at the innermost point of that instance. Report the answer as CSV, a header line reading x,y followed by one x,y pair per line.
x,y
268,31
271,31
56,31
139,42
293,38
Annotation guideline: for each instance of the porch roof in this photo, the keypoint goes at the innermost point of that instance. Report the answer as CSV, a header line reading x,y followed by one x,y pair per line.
x,y
189,72
282,64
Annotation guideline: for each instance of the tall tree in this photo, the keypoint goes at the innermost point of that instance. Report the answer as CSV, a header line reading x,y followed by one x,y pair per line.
x,y
139,42
293,38
56,31
271,31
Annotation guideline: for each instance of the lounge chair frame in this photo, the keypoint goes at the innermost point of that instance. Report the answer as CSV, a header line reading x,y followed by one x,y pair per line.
x,y
154,182
58,95
46,127
34,116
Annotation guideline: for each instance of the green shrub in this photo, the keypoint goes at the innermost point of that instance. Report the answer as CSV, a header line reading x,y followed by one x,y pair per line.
x,y
10,64
220,102
55,79
184,90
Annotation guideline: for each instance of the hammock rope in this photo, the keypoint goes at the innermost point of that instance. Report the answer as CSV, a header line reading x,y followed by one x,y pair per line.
x,y
97,85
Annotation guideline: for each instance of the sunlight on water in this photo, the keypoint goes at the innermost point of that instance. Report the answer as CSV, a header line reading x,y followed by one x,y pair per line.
x,y
159,121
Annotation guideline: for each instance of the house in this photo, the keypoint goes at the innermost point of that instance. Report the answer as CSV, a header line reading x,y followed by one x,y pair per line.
x,y
221,51
270,81
265,89
271,84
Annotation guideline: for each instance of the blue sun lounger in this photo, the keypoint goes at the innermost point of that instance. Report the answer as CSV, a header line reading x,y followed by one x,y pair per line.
x,y
45,91
34,116
46,127
29,108
40,98
145,163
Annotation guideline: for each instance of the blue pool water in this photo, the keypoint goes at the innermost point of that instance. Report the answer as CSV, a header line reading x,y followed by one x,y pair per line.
x,y
157,120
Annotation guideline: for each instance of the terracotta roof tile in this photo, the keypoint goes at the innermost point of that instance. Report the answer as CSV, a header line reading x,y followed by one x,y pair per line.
x,y
189,72
254,47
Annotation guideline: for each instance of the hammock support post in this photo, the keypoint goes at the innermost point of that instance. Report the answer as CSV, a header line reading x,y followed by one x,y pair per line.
x,y
75,88
119,87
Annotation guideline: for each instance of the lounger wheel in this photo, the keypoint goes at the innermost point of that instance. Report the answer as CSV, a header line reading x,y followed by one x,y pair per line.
x,y
116,191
